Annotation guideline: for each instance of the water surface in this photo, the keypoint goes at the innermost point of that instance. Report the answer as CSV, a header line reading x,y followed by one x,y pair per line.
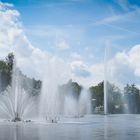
x,y
95,127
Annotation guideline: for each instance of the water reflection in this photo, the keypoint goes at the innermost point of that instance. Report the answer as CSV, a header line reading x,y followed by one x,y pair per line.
x,y
96,127
121,127
13,131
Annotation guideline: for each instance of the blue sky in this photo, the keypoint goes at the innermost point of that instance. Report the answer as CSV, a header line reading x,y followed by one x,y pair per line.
x,y
79,30
85,25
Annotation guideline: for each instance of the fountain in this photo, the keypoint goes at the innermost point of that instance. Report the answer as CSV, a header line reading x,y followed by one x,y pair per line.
x,y
84,106
105,79
56,103
49,99
15,102
16,118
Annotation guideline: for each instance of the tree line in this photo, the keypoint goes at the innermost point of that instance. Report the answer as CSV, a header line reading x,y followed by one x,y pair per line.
x,y
126,100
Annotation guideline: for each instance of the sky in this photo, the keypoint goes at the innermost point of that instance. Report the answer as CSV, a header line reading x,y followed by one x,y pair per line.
x,y
76,33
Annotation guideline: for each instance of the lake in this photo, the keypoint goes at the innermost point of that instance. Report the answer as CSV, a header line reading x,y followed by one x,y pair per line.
x,y
91,127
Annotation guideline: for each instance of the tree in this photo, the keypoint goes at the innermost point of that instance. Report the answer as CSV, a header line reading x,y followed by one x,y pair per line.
x,y
114,99
6,67
32,86
71,88
10,60
132,98
97,92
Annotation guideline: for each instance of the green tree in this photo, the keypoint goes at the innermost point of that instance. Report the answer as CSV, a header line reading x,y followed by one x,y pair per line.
x,y
32,86
71,88
10,60
6,67
97,92
114,99
132,98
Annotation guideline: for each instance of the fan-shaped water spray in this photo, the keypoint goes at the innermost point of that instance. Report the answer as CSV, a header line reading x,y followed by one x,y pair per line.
x,y
15,102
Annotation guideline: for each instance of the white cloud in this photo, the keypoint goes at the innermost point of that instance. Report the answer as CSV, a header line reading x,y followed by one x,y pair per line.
x,y
76,56
118,17
124,67
97,71
3,6
62,44
112,21
134,59
31,60
80,69
57,36
87,75
126,6
108,20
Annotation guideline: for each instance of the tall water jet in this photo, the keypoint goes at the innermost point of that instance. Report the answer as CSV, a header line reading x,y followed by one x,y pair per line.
x,y
50,98
108,79
105,79
84,102
76,100
77,107
71,106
